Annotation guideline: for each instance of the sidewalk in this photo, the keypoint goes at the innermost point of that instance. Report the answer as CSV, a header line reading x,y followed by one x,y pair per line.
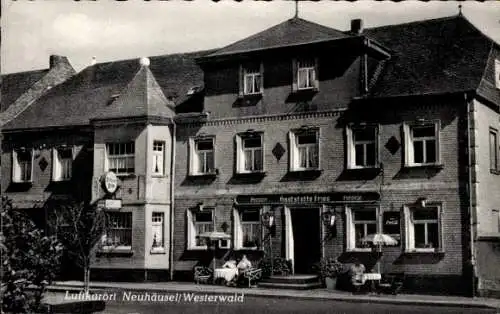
x,y
408,299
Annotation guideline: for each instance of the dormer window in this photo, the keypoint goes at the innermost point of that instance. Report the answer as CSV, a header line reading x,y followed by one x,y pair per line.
x,y
62,164
305,74
22,170
251,79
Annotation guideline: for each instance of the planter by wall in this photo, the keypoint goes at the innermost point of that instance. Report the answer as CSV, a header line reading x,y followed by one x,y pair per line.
x,y
331,283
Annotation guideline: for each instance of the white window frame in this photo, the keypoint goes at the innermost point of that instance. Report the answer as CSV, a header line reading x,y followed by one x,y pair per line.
x,y
238,228
191,230
497,73
106,247
255,89
494,151
294,148
351,146
16,166
58,166
193,153
409,142
351,228
158,155
410,229
158,221
241,149
125,156
306,67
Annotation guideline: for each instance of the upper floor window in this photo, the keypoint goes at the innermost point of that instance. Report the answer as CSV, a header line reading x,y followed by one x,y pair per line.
x,y
121,157
199,221
202,156
62,164
250,152
497,73
362,147
422,144
248,231
494,150
119,231
158,228
361,221
251,78
305,74
423,228
22,166
158,157
304,150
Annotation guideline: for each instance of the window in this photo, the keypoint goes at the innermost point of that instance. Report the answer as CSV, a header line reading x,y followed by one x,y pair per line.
x,y
360,223
494,150
362,147
423,232
422,144
252,78
119,233
121,159
248,231
497,73
304,152
62,164
202,152
158,228
22,166
306,76
249,153
158,157
200,221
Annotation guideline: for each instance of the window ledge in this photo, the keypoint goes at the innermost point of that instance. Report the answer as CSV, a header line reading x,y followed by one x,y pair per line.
x,y
126,176
22,182
424,166
495,171
198,248
368,249
251,96
158,250
159,176
212,174
424,251
256,174
305,171
60,180
115,252
489,237
306,90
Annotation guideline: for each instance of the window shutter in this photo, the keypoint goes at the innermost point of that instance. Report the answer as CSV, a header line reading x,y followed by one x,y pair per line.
x,y
349,148
349,231
294,75
407,145
191,156
16,175
316,74
241,79
32,155
239,153
291,151
377,146
55,164
261,78
437,126
190,241
236,229
497,74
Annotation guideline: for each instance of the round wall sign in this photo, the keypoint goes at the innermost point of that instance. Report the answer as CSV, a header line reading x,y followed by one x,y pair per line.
x,y
110,182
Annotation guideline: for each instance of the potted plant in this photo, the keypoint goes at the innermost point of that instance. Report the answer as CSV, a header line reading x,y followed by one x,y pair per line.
x,y
329,270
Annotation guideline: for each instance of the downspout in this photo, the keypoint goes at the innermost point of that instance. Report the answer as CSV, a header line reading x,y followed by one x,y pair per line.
x,y
471,151
172,199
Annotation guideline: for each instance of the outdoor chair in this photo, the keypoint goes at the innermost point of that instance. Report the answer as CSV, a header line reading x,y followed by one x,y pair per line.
x,y
391,284
202,274
252,275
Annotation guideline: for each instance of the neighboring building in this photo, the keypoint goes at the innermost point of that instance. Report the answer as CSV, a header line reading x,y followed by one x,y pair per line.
x,y
334,135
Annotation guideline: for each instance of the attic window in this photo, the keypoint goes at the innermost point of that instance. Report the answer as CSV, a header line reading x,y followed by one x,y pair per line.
x,y
113,98
193,90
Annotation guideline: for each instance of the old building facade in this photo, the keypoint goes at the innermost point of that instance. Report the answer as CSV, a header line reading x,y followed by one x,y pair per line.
x,y
297,142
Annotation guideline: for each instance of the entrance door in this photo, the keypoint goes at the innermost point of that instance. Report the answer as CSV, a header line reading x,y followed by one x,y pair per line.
x,y
306,237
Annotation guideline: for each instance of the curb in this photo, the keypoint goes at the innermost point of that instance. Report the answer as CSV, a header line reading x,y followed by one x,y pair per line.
x,y
290,294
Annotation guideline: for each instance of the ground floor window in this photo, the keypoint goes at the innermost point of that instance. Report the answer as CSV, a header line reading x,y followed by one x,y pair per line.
x,y
423,228
157,226
199,221
248,230
119,231
361,221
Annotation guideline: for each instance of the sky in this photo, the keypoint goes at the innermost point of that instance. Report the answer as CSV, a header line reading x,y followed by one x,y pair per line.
x,y
110,30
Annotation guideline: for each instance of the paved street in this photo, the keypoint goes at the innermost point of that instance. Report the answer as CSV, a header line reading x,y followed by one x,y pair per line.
x,y
262,305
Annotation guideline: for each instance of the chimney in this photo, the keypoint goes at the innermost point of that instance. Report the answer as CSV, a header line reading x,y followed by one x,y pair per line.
x,y
56,60
93,61
357,26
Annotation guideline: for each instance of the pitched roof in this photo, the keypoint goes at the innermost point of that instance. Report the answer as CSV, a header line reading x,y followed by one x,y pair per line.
x,y
291,32
429,57
76,101
15,84
141,97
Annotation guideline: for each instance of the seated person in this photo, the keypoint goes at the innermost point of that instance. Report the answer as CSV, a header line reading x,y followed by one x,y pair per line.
x,y
244,264
230,264
357,274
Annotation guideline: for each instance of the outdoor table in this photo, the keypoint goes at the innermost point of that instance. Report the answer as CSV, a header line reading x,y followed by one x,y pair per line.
x,y
227,273
372,278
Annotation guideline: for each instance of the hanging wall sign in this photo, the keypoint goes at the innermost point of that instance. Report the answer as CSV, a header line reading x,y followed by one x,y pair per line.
x,y
317,198
110,182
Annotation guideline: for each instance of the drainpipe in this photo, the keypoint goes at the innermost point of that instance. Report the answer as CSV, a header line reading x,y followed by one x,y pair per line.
x,y
172,199
470,151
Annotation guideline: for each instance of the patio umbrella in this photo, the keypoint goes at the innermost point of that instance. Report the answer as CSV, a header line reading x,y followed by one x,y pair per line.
x,y
379,239
214,236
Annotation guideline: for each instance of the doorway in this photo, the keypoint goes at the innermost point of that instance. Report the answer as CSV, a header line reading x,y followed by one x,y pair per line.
x,y
306,237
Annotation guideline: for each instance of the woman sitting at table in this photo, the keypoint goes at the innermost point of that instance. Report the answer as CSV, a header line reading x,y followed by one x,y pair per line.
x,y
357,274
